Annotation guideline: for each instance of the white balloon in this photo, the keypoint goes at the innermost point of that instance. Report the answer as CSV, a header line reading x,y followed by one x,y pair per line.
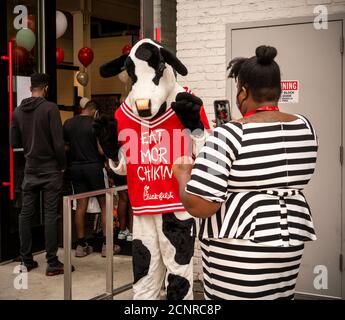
x,y
123,76
61,24
83,78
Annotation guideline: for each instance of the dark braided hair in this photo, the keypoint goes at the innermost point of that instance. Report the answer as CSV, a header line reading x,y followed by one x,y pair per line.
x,y
259,74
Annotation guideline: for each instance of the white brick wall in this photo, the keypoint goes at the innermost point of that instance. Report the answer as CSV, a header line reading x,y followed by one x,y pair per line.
x,y
201,35
201,42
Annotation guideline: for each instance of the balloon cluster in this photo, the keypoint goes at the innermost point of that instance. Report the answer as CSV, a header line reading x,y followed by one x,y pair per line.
x,y
25,39
24,42
61,27
85,56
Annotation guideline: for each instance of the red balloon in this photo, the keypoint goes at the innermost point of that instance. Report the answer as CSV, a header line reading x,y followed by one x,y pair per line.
x,y
31,22
85,56
126,49
60,55
20,56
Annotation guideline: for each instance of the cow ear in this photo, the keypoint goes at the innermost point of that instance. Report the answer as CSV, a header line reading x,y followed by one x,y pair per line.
x,y
171,59
114,67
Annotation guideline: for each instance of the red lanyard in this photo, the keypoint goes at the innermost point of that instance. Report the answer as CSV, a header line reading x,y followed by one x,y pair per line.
x,y
262,108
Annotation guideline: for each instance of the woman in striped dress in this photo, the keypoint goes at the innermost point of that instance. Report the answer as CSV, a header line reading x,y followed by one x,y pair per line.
x,y
246,186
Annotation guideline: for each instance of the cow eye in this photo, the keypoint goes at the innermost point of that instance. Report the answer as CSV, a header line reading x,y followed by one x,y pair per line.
x,y
149,53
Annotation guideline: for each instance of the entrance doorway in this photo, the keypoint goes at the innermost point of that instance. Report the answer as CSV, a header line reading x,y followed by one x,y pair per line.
x,y
34,50
22,25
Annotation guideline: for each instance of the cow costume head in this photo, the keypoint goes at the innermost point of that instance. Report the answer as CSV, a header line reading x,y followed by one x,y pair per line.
x,y
152,70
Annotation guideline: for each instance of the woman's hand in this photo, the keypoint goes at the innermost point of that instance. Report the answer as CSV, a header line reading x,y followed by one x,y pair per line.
x,y
195,205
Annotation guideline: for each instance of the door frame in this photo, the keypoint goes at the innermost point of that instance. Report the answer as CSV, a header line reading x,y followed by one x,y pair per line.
x,y
146,18
229,28
4,193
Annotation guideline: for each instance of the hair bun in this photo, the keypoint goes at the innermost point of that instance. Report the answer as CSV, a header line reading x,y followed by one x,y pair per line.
x,y
265,54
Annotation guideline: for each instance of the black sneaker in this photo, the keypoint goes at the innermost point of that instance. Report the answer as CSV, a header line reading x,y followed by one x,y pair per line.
x,y
30,265
56,268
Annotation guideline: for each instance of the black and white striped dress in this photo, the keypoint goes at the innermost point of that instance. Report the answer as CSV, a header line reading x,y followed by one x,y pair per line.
x,y
252,247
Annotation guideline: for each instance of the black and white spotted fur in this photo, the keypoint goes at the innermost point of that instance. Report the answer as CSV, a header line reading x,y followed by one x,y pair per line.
x,y
152,70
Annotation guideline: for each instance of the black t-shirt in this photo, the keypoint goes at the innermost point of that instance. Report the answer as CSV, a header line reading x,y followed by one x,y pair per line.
x,y
79,135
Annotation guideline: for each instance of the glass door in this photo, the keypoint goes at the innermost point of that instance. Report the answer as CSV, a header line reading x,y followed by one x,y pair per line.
x,y
22,51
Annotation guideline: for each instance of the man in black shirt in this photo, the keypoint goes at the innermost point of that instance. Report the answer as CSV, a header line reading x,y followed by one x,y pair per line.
x,y
86,169
36,126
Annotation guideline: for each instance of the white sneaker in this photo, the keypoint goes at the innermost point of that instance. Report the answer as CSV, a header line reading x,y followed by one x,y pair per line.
x,y
116,250
81,251
129,237
123,234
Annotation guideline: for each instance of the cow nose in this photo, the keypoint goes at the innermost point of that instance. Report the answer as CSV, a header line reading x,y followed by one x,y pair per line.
x,y
143,104
144,107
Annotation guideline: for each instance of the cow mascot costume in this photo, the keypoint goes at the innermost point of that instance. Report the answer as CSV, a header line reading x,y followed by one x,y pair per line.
x,y
158,122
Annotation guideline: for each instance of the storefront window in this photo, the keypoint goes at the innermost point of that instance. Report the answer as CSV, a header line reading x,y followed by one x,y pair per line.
x,y
23,32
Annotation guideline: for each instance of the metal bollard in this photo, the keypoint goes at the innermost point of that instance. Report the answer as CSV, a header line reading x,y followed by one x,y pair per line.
x,y
67,244
110,242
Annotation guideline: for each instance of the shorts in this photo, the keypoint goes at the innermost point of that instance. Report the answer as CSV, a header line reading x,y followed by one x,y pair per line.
x,y
88,177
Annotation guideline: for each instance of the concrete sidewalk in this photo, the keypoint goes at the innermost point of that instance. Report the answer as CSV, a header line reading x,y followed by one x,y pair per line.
x,y
88,280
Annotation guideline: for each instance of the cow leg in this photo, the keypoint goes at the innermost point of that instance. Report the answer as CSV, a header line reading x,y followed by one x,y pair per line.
x,y
177,248
148,267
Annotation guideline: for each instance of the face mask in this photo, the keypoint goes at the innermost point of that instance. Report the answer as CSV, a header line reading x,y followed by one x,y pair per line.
x,y
238,103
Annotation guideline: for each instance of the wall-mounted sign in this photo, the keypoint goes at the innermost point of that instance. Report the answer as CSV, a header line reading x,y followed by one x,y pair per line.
x,y
290,91
23,85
